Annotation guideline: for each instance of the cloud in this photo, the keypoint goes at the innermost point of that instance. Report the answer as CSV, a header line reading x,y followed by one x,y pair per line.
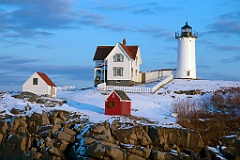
x,y
108,6
30,18
235,59
221,76
100,21
44,46
156,32
225,48
150,8
227,23
24,68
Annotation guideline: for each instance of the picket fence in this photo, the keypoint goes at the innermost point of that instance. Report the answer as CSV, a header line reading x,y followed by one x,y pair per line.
x,y
128,89
135,89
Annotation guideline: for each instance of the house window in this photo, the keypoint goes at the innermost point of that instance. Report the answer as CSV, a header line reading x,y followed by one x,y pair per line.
x,y
132,72
136,60
136,73
35,81
118,58
117,71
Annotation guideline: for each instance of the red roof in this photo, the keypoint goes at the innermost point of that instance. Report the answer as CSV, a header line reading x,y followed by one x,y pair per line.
x,y
46,79
131,50
103,51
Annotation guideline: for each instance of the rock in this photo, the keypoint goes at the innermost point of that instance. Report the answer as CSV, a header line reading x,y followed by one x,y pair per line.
x,y
134,157
48,142
60,144
155,135
140,151
34,155
68,131
22,130
64,136
54,151
4,128
15,124
55,127
51,157
157,155
95,151
237,147
23,144
45,131
45,120
114,153
1,137
88,140
98,128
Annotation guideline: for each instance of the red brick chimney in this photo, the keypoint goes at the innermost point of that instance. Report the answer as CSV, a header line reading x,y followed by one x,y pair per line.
x,y
124,42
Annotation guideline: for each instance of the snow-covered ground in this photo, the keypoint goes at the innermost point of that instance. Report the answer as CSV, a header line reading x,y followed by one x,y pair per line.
x,y
156,107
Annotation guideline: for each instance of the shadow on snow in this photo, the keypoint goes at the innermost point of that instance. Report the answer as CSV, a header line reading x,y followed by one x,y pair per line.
x,y
84,106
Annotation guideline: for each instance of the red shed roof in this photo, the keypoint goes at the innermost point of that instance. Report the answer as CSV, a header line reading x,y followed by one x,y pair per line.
x,y
121,94
46,79
103,51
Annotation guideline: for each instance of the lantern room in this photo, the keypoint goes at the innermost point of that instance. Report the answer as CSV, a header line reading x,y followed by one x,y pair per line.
x,y
117,103
186,31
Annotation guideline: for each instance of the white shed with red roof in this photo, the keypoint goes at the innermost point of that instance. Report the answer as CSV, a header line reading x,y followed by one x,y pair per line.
x,y
40,84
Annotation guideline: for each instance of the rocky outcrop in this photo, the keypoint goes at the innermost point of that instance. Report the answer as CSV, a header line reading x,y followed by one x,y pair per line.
x,y
60,135
122,140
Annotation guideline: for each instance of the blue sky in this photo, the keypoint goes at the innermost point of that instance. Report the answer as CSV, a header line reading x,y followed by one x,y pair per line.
x,y
60,37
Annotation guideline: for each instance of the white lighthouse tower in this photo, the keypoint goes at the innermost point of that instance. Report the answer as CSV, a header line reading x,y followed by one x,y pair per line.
x,y
186,57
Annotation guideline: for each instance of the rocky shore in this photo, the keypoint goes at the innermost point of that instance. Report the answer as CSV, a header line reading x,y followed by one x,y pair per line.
x,y
61,135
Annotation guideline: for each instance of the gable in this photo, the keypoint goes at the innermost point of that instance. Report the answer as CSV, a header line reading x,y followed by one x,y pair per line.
x,y
103,51
46,79
120,94
130,50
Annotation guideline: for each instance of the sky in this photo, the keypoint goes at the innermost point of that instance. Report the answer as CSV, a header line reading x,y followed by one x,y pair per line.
x,y
60,37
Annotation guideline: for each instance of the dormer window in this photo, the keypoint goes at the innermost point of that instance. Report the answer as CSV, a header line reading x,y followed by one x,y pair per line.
x,y
118,58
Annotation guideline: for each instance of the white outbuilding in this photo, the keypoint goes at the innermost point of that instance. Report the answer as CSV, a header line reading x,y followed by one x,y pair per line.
x,y
186,56
40,84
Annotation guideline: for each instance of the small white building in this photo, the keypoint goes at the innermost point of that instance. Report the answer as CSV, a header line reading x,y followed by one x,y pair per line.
x,y
117,65
40,84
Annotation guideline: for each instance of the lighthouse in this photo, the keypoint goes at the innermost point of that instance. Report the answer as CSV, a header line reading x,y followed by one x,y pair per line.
x,y
186,56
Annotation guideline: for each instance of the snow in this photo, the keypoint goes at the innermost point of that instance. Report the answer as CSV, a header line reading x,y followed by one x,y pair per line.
x,y
155,107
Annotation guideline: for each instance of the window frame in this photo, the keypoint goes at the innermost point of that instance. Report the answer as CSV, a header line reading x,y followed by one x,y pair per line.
x,y
35,81
118,57
118,71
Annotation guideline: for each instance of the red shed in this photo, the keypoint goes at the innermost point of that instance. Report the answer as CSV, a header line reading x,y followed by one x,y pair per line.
x,y
117,103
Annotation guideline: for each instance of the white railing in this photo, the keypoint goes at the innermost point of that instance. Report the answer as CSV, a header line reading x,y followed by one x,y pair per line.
x,y
163,82
135,89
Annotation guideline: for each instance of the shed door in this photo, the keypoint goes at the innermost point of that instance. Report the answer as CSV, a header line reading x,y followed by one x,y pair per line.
x,y
124,108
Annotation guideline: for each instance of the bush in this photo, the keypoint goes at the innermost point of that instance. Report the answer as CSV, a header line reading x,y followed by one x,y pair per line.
x,y
227,100
211,125
184,107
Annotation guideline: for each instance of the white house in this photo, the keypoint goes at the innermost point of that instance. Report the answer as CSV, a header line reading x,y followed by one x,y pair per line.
x,y
117,65
39,83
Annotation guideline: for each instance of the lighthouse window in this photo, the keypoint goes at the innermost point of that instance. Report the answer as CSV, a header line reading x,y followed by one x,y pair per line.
x,y
188,73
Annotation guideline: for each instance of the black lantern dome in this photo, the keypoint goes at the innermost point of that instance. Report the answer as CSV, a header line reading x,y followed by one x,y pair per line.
x,y
186,31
